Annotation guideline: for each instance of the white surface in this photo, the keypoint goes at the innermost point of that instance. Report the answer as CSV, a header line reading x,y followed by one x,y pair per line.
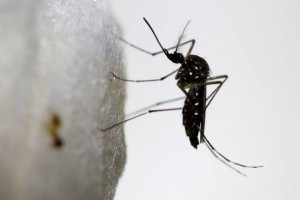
x,y
254,119
55,57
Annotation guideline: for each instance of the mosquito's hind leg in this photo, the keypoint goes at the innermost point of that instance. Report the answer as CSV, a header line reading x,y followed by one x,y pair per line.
x,y
226,159
149,110
139,115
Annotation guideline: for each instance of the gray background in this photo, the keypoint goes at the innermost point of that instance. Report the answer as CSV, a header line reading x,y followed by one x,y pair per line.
x,y
253,120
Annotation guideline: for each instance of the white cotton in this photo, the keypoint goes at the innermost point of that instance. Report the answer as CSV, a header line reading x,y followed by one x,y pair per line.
x,y
55,59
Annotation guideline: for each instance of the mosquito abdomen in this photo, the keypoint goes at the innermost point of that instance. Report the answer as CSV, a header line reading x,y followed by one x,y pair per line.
x,y
194,114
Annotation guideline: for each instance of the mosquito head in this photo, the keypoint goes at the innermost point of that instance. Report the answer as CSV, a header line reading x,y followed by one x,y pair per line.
x,y
176,57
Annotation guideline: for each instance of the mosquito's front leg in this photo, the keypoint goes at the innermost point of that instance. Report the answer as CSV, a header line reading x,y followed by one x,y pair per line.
x,y
191,47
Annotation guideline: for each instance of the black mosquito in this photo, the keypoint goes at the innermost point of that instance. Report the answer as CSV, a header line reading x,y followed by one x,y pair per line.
x,y
193,76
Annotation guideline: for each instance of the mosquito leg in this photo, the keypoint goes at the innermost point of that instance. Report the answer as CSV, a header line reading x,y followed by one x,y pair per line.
x,y
147,108
210,98
139,115
213,94
223,161
149,80
225,158
210,82
217,77
217,89
191,47
156,79
157,104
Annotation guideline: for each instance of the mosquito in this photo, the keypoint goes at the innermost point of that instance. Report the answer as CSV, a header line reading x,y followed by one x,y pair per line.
x,y
193,76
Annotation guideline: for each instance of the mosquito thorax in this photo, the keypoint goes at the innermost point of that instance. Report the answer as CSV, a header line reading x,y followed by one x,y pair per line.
x,y
198,65
194,69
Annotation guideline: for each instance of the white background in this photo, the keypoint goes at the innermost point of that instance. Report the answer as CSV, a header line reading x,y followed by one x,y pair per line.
x,y
254,119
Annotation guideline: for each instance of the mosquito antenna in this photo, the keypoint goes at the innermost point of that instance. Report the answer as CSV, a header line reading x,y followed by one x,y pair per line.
x,y
164,50
217,152
181,36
